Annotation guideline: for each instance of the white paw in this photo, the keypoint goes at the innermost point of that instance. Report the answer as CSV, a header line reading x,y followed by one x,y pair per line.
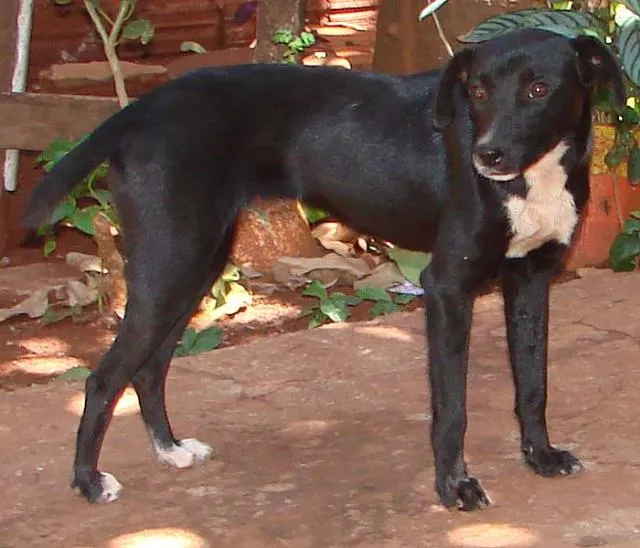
x,y
186,454
111,488
200,451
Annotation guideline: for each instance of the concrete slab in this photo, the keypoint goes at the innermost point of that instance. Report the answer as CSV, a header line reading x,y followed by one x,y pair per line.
x,y
320,439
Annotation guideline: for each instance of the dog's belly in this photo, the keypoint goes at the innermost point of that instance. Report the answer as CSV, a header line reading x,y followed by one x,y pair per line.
x,y
548,212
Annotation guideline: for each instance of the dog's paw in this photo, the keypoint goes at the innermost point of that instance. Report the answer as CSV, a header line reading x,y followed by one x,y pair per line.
x,y
97,487
552,462
185,454
465,494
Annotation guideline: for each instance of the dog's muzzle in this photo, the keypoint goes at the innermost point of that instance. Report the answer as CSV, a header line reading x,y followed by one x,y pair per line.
x,y
489,162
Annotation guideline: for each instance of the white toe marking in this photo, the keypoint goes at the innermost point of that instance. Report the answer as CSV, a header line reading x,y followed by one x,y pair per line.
x,y
111,487
186,454
200,451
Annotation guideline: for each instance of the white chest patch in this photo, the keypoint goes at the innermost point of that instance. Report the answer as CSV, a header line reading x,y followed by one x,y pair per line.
x,y
548,212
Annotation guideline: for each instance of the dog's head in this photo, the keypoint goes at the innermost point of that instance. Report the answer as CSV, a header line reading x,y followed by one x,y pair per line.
x,y
527,90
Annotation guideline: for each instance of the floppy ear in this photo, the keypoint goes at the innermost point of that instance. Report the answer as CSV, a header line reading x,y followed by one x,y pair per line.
x,y
456,72
598,66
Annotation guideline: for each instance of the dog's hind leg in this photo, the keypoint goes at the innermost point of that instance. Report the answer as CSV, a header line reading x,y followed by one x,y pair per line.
x,y
165,282
525,285
149,383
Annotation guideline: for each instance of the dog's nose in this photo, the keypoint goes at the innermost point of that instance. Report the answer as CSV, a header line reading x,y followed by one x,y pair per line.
x,y
490,157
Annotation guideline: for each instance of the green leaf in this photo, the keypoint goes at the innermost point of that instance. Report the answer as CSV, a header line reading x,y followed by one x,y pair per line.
x,y
103,196
313,214
62,2
82,219
49,246
315,289
335,310
564,22
633,166
318,319
628,45
307,39
64,210
282,36
383,307
74,374
139,29
206,340
631,226
623,252
404,298
353,300
410,263
231,273
192,46
376,294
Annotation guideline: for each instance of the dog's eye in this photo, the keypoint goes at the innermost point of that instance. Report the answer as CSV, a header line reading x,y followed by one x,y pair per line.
x,y
538,90
478,93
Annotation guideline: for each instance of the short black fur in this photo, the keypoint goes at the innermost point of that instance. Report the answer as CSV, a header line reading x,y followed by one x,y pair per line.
x,y
190,155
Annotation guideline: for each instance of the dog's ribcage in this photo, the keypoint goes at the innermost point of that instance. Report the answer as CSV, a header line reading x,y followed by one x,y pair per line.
x,y
548,212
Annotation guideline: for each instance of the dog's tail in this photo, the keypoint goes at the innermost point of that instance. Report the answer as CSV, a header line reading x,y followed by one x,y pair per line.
x,y
70,170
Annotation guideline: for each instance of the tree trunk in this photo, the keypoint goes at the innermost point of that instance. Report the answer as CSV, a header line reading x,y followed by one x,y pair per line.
x,y
273,228
405,45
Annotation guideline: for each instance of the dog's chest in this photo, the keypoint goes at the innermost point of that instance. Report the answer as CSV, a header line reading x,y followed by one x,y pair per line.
x,y
547,213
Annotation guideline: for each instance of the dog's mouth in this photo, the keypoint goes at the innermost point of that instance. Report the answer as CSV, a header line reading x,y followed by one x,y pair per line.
x,y
499,174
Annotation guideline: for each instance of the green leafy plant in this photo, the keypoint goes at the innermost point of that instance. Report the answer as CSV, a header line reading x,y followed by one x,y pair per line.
x,y
227,294
195,342
295,43
335,307
85,201
624,252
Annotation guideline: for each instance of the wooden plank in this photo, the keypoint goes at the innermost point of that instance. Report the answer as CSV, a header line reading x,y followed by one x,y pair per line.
x,y
30,121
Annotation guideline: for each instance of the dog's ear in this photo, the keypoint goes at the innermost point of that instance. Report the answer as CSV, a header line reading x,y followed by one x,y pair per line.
x,y
455,73
597,66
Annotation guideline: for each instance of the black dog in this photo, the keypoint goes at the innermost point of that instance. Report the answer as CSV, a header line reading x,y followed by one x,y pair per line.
x,y
486,163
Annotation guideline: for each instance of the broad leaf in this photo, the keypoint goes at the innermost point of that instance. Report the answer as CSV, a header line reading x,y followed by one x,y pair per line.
x,y
82,219
628,45
64,210
623,252
383,307
335,310
139,29
631,226
206,340
373,294
566,23
315,289
410,263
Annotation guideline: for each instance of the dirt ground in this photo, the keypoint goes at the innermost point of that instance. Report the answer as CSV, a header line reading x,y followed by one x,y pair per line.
x,y
320,437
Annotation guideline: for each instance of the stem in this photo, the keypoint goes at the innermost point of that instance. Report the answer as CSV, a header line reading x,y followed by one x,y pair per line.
x,y
443,38
109,43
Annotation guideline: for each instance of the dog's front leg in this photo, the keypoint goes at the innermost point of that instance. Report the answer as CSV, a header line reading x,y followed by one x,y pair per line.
x,y
449,309
526,285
